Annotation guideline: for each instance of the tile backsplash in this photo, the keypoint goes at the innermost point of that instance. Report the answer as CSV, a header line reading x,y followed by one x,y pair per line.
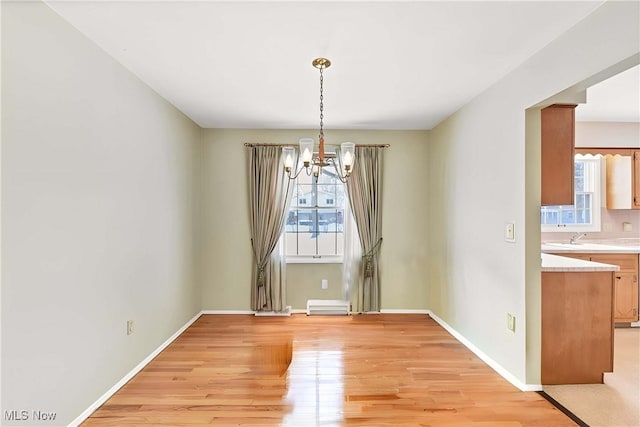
x,y
612,226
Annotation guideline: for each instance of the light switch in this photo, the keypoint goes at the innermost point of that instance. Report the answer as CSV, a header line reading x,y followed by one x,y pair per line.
x,y
510,232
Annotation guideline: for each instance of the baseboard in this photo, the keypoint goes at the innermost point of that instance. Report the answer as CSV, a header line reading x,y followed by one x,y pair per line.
x,y
285,313
95,405
404,311
485,358
227,312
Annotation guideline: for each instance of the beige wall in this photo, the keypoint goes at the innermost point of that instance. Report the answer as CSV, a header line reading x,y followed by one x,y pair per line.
x,y
304,282
98,216
226,251
481,177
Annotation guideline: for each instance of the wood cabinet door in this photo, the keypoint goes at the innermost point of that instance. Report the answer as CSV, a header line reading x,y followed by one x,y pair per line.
x,y
619,182
558,140
626,285
626,297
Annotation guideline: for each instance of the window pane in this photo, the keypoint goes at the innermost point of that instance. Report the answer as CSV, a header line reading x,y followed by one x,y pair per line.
x,y
328,220
327,244
306,220
291,225
326,195
328,176
307,244
304,195
568,217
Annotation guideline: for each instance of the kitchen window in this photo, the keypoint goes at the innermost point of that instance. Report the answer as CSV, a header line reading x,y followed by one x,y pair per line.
x,y
314,230
584,214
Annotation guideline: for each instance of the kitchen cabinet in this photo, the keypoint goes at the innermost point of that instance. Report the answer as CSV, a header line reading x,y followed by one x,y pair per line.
x,y
557,148
619,182
625,302
623,175
576,327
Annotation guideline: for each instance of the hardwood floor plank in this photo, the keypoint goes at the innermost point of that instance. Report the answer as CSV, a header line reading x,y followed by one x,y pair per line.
x,y
367,370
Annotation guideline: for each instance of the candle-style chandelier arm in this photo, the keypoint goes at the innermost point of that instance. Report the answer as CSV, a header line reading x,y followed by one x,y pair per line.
x,y
312,164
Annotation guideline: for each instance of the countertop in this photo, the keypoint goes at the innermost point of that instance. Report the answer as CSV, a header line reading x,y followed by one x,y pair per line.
x,y
613,246
557,263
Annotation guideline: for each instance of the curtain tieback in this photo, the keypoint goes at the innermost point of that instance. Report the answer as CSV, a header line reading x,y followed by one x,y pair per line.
x,y
368,259
260,264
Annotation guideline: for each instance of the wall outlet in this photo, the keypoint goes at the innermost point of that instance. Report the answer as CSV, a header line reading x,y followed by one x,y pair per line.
x,y
325,284
607,227
129,327
626,226
511,322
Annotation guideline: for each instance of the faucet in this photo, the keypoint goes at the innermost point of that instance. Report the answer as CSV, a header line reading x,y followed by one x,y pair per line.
x,y
576,237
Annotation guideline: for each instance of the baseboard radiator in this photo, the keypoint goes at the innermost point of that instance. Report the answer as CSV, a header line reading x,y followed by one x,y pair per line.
x,y
327,306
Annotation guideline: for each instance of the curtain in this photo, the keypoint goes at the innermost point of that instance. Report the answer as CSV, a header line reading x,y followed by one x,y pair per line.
x,y
364,189
351,259
270,192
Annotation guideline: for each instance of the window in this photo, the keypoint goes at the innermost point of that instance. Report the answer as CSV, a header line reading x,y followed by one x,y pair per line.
x,y
584,214
314,231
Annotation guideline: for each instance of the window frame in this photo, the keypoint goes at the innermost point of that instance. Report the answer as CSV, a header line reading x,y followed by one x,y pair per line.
x,y
317,259
596,205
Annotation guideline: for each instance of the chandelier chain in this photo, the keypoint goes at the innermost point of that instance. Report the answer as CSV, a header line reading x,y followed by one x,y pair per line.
x,y
321,105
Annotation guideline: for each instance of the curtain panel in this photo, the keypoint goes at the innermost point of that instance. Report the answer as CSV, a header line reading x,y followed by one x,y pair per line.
x,y
364,189
270,192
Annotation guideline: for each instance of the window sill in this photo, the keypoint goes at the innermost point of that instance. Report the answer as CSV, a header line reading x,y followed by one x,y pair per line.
x,y
311,260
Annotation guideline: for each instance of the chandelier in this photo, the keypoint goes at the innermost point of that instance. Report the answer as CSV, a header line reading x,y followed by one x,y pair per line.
x,y
313,162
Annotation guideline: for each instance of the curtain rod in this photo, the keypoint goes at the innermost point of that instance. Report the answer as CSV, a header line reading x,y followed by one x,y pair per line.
x,y
250,144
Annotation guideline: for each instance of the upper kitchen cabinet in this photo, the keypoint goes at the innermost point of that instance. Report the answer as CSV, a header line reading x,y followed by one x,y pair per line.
x,y
557,137
623,175
619,182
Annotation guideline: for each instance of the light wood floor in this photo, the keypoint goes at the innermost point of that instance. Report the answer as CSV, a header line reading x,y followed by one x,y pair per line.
x,y
363,370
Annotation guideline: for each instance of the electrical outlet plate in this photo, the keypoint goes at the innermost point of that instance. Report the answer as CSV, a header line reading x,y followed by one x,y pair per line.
x,y
325,284
510,232
129,327
511,322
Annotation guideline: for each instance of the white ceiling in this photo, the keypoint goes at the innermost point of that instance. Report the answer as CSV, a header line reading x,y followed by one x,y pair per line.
x,y
396,65
616,99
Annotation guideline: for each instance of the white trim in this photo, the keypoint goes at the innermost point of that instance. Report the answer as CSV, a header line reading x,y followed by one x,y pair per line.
x,y
285,313
404,311
322,259
95,405
485,358
298,311
227,312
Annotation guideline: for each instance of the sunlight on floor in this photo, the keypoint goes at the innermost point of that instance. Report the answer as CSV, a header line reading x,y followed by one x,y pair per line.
x,y
315,388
